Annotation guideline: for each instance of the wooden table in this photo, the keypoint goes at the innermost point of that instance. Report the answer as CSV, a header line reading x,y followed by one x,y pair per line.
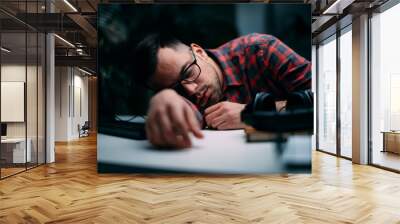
x,y
391,141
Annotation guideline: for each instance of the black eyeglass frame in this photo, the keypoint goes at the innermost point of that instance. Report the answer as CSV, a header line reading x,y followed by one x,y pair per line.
x,y
184,76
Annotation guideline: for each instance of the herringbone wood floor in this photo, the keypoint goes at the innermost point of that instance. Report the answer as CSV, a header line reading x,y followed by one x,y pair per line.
x,y
71,191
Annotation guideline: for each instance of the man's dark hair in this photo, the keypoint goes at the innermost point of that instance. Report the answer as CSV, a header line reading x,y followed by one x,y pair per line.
x,y
145,55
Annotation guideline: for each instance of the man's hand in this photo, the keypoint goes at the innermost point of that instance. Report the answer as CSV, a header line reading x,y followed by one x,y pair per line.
x,y
224,115
170,120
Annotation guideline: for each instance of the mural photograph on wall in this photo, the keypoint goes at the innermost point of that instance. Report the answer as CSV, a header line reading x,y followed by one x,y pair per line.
x,y
206,89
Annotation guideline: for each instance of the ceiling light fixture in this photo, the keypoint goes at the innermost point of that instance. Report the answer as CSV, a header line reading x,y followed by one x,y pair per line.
x,y
70,5
337,7
329,9
65,41
84,71
5,50
80,51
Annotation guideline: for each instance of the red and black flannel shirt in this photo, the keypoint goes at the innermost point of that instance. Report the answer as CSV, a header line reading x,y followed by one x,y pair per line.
x,y
260,63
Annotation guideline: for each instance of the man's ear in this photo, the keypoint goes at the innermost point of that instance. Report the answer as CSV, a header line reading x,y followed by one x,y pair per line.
x,y
199,51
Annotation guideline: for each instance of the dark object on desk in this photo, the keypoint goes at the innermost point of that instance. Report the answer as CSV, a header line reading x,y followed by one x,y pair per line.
x,y
300,100
264,101
253,135
298,116
287,121
3,129
132,130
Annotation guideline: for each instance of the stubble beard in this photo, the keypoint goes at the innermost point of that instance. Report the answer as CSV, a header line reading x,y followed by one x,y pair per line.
x,y
217,95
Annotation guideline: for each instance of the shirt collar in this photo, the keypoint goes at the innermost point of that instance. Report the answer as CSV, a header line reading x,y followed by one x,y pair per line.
x,y
230,73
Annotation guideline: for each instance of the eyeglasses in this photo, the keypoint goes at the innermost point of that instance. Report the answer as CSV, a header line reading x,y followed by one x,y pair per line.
x,y
189,75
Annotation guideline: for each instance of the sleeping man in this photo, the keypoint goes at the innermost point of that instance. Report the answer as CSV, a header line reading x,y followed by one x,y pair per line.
x,y
198,87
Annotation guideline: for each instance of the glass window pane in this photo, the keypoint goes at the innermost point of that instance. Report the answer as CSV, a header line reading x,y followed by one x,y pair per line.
x,y
327,96
346,94
31,100
41,98
14,153
32,87
385,89
22,63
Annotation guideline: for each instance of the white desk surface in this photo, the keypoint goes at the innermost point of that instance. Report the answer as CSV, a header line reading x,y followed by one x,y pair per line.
x,y
13,140
218,152
19,151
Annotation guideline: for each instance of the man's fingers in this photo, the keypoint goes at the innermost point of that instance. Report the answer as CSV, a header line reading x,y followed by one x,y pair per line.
x,y
169,121
194,125
149,134
222,125
212,108
184,141
217,121
154,134
169,136
210,117
149,130
176,115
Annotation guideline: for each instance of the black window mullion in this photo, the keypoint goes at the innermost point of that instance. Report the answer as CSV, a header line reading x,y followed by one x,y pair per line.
x,y
369,78
26,86
37,89
338,98
316,98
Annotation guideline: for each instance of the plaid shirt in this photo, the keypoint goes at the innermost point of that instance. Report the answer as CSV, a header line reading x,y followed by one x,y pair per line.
x,y
260,63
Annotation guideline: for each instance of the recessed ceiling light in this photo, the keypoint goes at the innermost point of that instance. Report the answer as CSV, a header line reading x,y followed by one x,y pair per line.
x,y
65,41
5,50
70,5
337,7
84,71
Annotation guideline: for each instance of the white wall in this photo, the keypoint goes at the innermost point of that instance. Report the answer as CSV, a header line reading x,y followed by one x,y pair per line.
x,y
80,105
12,101
62,81
82,83
14,72
17,72
71,94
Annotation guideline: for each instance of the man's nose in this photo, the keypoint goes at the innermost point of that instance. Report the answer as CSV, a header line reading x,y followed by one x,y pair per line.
x,y
190,88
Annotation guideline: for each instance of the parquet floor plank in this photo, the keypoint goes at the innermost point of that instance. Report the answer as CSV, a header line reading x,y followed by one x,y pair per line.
x,y
71,191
